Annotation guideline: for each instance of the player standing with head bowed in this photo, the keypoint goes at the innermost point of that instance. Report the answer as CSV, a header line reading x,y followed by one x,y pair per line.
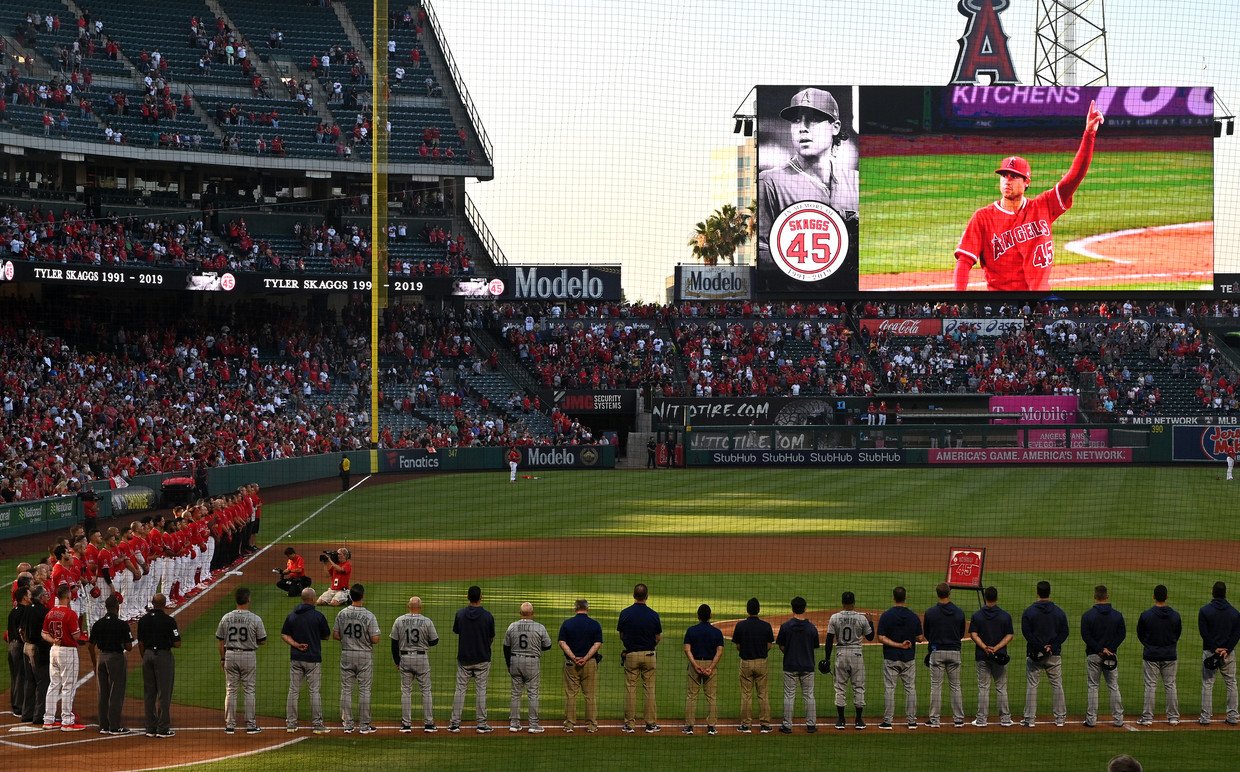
x,y
412,635
1012,237
239,634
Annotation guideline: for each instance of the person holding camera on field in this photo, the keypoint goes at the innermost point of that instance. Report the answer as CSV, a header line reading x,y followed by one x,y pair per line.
x,y
293,577
340,570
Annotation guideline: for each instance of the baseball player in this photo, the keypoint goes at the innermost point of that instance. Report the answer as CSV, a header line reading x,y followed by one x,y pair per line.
x,y
412,635
60,629
944,622
1159,629
815,172
846,630
1231,465
1102,630
238,635
898,631
358,631
1045,628
1012,237
514,458
1219,624
524,644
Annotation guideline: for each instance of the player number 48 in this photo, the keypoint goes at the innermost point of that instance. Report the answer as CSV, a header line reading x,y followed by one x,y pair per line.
x,y
819,252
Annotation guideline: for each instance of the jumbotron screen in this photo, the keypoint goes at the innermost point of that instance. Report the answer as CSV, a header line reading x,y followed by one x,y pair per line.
x,y
984,188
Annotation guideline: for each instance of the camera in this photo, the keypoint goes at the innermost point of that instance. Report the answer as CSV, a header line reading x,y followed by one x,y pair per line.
x,y
332,555
276,571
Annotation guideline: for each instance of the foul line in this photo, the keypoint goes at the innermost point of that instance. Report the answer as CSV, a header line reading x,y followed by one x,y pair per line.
x,y
1085,248
229,757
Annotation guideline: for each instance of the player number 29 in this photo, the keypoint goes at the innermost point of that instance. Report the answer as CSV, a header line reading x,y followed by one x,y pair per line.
x,y
819,252
238,634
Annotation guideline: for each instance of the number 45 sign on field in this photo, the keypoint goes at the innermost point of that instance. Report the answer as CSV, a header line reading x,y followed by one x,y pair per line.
x,y
809,241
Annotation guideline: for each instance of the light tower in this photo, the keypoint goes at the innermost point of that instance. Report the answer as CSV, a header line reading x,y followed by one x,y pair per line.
x,y
1070,43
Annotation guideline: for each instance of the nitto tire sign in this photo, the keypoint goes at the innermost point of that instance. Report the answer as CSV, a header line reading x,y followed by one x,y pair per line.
x,y
548,282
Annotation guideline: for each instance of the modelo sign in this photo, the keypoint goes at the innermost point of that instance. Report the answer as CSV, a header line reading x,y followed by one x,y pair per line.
x,y
701,282
568,457
552,282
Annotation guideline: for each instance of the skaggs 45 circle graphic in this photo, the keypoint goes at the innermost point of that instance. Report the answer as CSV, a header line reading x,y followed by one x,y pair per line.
x,y
809,241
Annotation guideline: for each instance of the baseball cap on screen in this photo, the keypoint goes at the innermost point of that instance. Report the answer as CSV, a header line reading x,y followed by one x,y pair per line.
x,y
1014,164
811,99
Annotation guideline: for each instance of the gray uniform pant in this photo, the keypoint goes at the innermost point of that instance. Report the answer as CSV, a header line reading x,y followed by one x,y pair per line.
x,y
113,674
902,673
1094,671
945,663
240,673
526,675
988,672
1228,671
479,672
805,683
849,672
356,671
1052,665
312,674
415,667
1164,672
157,676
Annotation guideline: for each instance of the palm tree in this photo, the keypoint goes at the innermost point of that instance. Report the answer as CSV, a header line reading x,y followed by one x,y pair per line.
x,y
703,242
721,234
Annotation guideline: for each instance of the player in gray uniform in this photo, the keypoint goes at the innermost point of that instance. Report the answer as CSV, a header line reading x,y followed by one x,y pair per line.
x,y
412,635
238,635
524,644
358,631
846,630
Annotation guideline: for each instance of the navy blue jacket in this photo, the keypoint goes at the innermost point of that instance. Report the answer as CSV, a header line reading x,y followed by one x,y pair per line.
x,y
798,638
944,626
475,630
1219,624
581,632
1042,624
1102,627
1159,630
899,623
306,624
992,624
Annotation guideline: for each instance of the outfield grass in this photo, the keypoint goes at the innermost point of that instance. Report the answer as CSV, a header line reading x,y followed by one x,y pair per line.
x,y
914,208
926,752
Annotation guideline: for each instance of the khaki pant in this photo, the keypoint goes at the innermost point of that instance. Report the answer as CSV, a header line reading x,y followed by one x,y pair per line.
x,y
639,665
707,684
753,681
583,679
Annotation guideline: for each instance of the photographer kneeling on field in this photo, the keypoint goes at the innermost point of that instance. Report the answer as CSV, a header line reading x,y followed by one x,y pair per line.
x,y
341,572
293,577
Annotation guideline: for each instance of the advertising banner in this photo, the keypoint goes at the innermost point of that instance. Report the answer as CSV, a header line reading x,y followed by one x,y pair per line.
x,y
798,458
1057,438
714,282
583,402
558,282
1124,106
742,411
989,328
1029,456
903,327
1204,443
568,457
1034,409
477,459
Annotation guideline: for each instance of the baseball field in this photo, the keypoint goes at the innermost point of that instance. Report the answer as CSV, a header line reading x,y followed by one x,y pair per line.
x,y
716,537
1145,211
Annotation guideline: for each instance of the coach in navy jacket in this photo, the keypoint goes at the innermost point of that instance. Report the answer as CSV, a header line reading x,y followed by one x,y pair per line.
x,y
1044,624
1219,624
1102,626
1159,630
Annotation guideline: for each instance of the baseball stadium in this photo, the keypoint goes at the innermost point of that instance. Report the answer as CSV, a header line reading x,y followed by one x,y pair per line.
x,y
455,385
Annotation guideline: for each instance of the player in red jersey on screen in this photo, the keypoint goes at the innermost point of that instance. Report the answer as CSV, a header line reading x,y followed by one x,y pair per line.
x,y
1012,237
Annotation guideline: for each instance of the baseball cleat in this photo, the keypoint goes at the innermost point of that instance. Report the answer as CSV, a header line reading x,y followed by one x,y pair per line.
x,y
406,728
368,729
591,729
568,730
74,727
227,730
687,730
627,729
153,734
1060,722
122,731
912,725
859,724
885,726
653,728
290,729
429,727
1028,723
958,723
253,729
51,725
1173,721
1118,724
710,730
1202,721
322,730
514,728
348,729
166,734
765,729
483,728
979,723
932,724
811,728
743,728
536,730
785,730
1005,722
1088,723
1232,721
840,724
1145,722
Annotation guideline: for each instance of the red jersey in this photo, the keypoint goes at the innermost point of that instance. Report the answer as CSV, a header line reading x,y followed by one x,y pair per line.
x,y
155,540
61,623
91,557
62,575
106,560
1016,249
514,456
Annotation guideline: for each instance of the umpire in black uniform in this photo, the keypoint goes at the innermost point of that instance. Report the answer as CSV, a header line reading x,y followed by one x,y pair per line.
x,y
158,635
18,668
38,654
110,639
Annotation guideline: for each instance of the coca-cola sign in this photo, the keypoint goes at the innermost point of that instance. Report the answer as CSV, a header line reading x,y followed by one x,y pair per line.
x,y
903,327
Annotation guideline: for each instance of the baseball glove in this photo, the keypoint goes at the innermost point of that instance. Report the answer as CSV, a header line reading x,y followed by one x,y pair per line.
x,y
1108,661
824,667
1213,662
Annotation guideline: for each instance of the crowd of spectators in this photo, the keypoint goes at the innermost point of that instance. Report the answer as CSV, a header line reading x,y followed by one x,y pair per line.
x,y
592,354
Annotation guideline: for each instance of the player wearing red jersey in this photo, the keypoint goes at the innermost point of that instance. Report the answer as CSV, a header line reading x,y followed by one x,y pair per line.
x,y
61,630
1012,237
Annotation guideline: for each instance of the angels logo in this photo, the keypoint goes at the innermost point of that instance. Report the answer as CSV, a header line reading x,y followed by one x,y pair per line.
x,y
984,47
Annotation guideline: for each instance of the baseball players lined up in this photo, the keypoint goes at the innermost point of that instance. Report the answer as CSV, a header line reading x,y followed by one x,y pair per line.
x,y
1044,628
